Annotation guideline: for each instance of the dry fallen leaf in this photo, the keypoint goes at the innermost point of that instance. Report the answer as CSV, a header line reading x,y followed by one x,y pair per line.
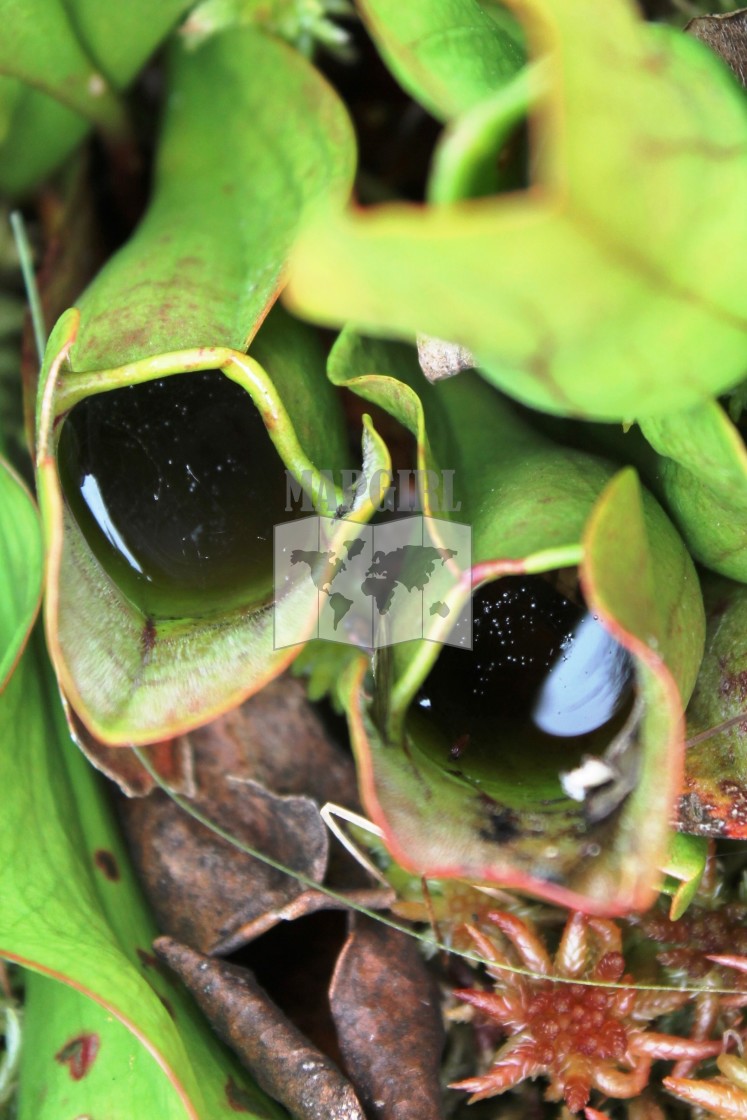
x,y
260,772
727,36
283,1061
202,887
171,759
386,1009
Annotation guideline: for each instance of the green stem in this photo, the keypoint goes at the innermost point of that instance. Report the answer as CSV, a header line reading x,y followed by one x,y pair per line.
x,y
25,258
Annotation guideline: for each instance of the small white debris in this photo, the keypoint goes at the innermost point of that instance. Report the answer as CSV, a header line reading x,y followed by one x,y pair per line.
x,y
439,359
592,773
96,85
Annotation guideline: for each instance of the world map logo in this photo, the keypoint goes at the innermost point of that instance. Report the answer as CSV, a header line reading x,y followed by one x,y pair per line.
x,y
372,585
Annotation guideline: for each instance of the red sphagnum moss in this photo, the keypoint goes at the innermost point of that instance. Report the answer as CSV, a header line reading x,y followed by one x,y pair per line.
x,y
578,1020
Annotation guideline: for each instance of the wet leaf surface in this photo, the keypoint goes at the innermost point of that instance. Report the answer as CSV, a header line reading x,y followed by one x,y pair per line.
x,y
455,780
385,1005
136,677
434,787
283,1061
140,671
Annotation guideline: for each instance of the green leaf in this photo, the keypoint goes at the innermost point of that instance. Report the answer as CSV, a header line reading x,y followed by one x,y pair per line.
x,y
40,134
448,54
72,910
302,23
502,815
122,37
684,870
73,1058
63,65
188,292
209,257
596,292
464,162
701,472
135,675
40,48
21,568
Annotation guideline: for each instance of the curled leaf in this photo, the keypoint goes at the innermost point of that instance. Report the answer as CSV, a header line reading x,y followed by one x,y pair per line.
x,y
453,768
160,582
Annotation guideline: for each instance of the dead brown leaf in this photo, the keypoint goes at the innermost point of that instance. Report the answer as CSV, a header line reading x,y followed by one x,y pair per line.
x,y
727,36
386,1009
251,768
171,759
202,887
282,1060
277,739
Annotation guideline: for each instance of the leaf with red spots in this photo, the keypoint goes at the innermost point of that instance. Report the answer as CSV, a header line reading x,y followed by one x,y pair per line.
x,y
714,800
78,1060
73,912
594,292
106,863
79,1054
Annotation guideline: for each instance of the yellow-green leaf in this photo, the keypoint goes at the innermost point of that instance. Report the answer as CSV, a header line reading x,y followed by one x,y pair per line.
x,y
615,286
